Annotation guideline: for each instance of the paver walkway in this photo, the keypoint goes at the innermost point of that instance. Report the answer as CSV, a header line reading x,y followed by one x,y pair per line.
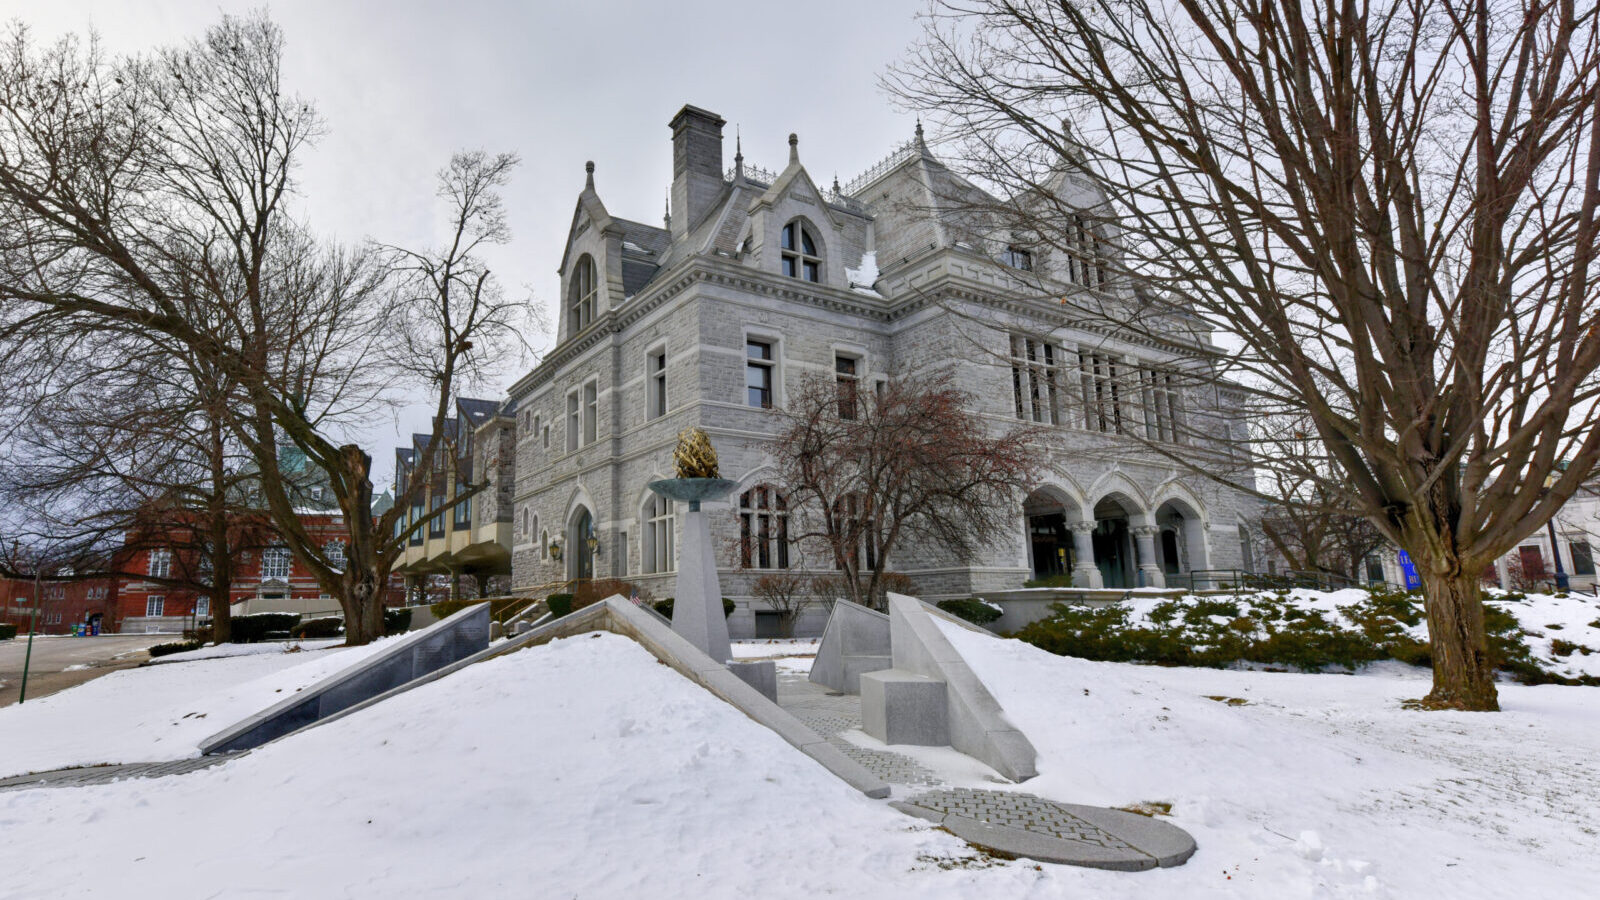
x,y
1010,822
82,776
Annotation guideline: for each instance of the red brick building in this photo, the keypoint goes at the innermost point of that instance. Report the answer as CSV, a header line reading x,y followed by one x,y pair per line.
x,y
67,604
162,568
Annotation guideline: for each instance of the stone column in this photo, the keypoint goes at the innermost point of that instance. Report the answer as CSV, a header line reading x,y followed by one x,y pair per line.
x,y
1085,573
697,604
1149,569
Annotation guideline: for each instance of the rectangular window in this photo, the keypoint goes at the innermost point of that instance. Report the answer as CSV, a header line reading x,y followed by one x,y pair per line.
x,y
1374,569
275,564
758,373
1161,414
436,521
1102,393
1017,258
534,433
1035,377
416,516
155,606
591,412
546,437
656,370
160,564
574,421
849,380
1532,562
1582,558
463,508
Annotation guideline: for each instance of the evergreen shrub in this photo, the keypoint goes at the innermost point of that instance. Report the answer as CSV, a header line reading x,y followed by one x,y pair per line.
x,y
257,627
172,647
972,609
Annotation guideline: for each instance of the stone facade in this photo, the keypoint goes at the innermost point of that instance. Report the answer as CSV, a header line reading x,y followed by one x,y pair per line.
x,y
885,273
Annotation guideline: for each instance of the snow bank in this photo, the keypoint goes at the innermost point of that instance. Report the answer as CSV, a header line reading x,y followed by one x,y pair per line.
x,y
581,769
1317,785
156,713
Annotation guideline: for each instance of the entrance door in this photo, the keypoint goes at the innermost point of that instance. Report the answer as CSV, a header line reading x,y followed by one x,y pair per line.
x,y
1111,552
582,555
1169,552
1051,545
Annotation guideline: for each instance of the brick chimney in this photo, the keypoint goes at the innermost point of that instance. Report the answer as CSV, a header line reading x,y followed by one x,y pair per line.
x,y
696,166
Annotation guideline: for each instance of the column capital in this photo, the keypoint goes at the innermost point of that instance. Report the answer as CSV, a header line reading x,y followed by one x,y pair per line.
x,y
1082,527
1144,530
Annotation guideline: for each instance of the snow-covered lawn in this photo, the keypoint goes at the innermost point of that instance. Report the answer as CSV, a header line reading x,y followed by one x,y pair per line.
x,y
157,713
586,769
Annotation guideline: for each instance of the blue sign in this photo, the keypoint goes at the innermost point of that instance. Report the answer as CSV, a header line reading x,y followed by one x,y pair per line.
x,y
1409,569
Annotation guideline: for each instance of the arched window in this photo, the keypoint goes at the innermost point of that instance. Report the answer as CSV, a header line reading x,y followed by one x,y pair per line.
x,y
533,535
657,534
763,528
334,552
544,544
527,525
800,256
582,287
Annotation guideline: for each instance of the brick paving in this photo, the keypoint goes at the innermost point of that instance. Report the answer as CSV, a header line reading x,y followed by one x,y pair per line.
x,y
84,776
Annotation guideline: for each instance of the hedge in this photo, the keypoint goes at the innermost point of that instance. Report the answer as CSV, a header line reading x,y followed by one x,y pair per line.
x,y
560,604
254,628
665,607
7,631
325,627
396,621
174,647
975,611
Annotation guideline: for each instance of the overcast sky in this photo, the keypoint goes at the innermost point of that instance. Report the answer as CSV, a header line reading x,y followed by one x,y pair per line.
x,y
403,83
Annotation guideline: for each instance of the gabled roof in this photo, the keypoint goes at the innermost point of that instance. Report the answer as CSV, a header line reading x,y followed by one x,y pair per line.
x,y
477,411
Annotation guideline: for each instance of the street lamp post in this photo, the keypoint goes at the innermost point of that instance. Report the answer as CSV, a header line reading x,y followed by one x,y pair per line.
x,y
33,623
1562,581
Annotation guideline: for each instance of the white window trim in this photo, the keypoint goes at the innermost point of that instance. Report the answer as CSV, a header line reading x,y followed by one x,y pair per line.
x,y
574,419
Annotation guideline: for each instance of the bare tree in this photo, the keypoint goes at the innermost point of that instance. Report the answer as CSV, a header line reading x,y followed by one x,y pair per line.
x,y
151,195
1387,210
865,470
116,445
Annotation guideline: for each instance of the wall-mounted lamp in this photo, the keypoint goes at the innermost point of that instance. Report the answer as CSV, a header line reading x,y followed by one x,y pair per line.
x,y
594,545
555,550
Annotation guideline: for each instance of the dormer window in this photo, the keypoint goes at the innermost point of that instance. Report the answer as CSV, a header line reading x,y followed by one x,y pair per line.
x,y
800,258
581,293
1017,258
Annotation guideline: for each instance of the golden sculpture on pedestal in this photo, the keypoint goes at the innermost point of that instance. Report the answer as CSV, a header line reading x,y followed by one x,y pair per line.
x,y
693,456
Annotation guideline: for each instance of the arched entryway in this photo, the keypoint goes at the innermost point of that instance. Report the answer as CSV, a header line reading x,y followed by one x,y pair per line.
x,y
580,550
1181,542
1113,542
1050,551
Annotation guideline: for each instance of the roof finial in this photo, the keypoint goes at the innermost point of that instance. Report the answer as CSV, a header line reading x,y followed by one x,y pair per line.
x,y
919,131
794,148
589,181
836,184
738,155
666,210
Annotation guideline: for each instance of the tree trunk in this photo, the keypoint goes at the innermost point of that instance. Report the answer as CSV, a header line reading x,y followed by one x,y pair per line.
x,y
363,608
1463,671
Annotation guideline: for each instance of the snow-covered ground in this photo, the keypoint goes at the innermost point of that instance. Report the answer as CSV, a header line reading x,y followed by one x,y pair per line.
x,y
586,769
157,713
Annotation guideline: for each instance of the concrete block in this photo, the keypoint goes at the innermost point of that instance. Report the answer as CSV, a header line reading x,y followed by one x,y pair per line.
x,y
759,674
899,707
977,724
856,640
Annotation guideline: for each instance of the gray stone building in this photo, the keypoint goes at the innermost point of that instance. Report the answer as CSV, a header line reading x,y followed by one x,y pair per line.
x,y
757,279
